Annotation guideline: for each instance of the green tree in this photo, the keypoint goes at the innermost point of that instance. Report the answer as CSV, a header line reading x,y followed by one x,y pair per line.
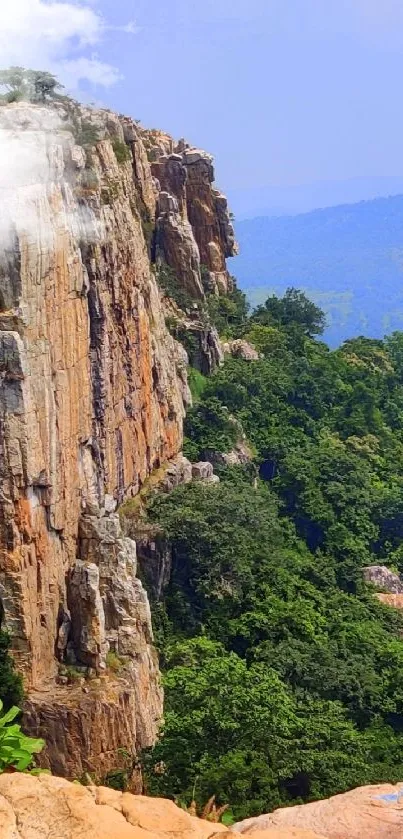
x,y
293,309
32,85
267,580
16,749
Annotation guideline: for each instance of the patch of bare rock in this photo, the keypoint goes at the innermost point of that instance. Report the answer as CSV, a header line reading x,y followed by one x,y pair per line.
x,y
46,806
373,812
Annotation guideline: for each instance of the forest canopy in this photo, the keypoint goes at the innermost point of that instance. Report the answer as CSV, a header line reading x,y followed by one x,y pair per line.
x,y
283,672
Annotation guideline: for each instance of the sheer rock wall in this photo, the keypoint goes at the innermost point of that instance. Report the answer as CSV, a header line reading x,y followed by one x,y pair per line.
x,y
93,392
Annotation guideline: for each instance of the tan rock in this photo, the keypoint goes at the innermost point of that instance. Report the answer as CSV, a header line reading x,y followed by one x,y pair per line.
x,y
383,578
91,401
286,833
373,812
48,806
45,806
394,600
93,391
241,349
188,177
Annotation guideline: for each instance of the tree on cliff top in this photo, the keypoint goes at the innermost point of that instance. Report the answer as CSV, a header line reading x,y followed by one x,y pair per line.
x,y
31,85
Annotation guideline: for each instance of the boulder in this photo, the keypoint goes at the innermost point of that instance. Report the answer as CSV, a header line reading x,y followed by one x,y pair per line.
x,y
241,349
32,808
383,578
178,471
238,456
202,471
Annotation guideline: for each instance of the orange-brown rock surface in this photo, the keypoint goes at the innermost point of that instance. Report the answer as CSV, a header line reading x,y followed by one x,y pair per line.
x,y
373,812
93,391
194,228
394,600
34,808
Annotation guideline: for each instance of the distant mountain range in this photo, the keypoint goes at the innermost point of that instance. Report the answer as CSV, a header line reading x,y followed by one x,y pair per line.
x,y
348,258
249,202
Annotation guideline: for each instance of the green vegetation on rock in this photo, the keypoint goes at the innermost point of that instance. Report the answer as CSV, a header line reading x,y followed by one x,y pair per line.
x,y
122,151
11,690
32,85
283,673
16,749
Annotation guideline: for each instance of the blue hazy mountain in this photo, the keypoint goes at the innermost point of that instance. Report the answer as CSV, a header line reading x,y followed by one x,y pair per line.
x,y
252,201
348,259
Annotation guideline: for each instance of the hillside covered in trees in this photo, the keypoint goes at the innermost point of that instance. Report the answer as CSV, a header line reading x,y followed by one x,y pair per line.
x,y
283,672
349,259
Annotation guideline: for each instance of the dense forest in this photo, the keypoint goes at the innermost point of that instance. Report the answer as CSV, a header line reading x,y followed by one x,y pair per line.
x,y
283,673
340,256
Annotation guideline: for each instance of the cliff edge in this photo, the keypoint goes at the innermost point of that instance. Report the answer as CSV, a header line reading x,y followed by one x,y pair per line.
x,y
93,392
31,808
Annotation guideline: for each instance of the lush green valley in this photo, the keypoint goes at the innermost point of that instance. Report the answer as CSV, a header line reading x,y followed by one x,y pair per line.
x,y
348,258
283,672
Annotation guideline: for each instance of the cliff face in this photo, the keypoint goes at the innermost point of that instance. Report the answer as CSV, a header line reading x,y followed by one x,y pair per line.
x,y
93,391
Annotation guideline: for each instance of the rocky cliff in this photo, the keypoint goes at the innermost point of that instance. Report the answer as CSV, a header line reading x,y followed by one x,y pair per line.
x,y
93,391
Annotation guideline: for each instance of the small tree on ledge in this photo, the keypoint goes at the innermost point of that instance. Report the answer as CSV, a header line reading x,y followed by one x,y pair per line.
x,y
31,85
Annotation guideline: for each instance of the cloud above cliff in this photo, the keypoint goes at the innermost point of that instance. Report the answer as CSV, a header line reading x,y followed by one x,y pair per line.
x,y
60,36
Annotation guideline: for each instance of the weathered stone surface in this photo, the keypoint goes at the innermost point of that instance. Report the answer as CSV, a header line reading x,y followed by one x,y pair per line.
x,y
175,244
108,606
208,214
286,833
85,726
87,614
188,177
92,385
93,391
203,346
32,808
241,349
155,560
238,456
202,471
178,471
92,397
208,353
383,578
373,812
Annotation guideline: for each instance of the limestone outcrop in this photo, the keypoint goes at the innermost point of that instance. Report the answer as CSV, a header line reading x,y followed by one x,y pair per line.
x,y
93,392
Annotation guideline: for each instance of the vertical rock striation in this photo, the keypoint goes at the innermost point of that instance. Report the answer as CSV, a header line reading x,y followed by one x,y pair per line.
x,y
93,391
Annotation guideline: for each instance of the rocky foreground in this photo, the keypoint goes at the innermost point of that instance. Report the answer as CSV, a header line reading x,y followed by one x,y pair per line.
x,y
45,806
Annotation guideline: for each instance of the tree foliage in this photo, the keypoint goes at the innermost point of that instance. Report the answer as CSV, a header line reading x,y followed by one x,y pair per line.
x,y
283,672
294,310
32,85
11,691
16,749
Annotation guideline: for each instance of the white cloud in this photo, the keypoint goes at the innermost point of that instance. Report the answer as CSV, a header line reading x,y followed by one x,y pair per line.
x,y
91,69
54,35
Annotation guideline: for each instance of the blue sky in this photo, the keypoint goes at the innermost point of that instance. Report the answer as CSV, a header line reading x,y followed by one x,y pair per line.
x,y
283,92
